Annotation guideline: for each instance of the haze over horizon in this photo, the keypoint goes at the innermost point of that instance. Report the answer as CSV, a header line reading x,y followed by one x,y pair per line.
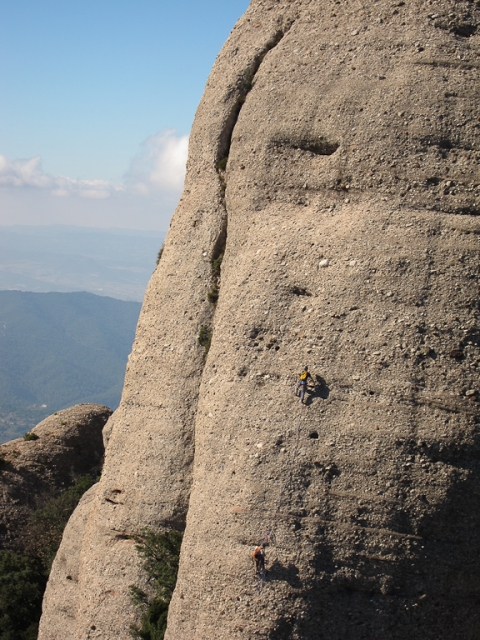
x,y
97,105
64,258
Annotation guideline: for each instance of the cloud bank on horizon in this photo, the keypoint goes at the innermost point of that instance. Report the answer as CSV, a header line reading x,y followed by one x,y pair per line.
x,y
153,182
160,166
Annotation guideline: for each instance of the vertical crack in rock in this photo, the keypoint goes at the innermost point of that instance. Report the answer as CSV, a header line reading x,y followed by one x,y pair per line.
x,y
218,247
245,84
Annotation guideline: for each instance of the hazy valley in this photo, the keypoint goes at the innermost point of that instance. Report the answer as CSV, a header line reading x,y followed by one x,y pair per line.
x,y
107,262
57,350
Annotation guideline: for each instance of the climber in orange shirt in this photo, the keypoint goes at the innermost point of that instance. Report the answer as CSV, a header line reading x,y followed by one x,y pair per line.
x,y
259,556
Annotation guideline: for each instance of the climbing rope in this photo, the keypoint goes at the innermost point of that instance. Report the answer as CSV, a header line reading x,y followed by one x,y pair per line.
x,y
261,579
288,482
269,534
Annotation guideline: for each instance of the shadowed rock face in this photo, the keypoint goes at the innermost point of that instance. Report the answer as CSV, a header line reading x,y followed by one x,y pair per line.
x,y
334,158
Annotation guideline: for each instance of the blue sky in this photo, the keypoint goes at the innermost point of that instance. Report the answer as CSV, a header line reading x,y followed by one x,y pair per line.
x,y
97,100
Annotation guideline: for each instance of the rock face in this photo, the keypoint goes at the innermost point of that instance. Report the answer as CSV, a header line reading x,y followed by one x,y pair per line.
x,y
64,446
334,160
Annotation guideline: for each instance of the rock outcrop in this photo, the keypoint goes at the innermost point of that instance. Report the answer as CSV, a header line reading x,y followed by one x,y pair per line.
x,y
61,448
334,162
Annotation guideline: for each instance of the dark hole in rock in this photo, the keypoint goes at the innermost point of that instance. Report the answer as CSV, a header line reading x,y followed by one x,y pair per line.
x,y
319,146
313,435
444,143
456,354
300,291
464,30
255,331
433,181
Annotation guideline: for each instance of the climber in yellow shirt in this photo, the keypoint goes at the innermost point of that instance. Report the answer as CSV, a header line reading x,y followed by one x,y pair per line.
x,y
302,381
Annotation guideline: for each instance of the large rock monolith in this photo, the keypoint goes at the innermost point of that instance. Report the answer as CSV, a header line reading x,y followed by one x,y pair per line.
x,y
334,162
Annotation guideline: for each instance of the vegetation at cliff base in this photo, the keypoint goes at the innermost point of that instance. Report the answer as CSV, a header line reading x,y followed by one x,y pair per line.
x,y
160,553
23,578
22,583
45,526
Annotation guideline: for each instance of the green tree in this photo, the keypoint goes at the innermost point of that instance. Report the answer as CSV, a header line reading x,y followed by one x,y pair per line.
x,y
23,577
45,526
22,583
161,552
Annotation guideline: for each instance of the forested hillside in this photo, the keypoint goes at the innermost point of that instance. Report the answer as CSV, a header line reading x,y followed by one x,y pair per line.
x,y
60,349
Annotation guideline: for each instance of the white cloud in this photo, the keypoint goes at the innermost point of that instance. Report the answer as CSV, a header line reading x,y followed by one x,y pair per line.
x,y
158,168
29,174
24,173
160,165
144,199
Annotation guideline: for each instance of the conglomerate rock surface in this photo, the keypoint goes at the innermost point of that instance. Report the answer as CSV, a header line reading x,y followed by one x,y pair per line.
x,y
334,160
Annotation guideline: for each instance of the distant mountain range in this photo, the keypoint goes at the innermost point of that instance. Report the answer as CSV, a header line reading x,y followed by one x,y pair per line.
x,y
60,349
109,262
